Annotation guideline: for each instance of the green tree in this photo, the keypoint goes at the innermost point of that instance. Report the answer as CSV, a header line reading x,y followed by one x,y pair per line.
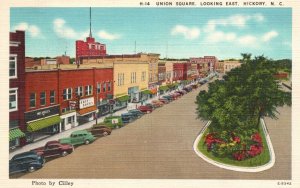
x,y
244,96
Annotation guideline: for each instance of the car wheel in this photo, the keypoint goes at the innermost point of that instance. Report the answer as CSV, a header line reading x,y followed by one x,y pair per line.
x,y
64,153
105,133
31,169
86,142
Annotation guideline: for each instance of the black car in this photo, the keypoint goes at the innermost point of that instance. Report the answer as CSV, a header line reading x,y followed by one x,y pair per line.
x,y
128,117
136,113
26,162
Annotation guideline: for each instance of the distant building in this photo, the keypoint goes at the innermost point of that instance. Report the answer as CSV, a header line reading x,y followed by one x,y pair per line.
x,y
63,59
207,63
228,65
219,67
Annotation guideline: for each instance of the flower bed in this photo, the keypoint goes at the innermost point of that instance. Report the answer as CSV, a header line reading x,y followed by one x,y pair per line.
x,y
229,148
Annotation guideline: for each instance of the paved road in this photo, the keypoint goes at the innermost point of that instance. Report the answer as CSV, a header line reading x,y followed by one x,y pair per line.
x,y
160,145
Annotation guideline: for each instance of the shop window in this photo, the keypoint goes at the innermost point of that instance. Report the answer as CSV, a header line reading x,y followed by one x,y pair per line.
x,y
67,94
13,66
32,100
52,97
13,100
43,98
88,90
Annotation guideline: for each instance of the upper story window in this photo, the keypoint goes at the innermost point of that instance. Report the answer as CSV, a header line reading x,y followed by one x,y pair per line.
x,y
67,94
79,91
88,90
32,100
120,79
104,87
52,97
43,98
109,86
133,77
13,99
12,66
98,87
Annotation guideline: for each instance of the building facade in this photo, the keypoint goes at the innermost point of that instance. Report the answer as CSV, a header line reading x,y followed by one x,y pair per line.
x,y
89,48
228,65
206,63
16,89
220,67
130,80
60,99
161,74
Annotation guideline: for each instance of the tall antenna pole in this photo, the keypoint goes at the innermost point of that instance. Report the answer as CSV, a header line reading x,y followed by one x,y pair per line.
x,y
91,22
167,51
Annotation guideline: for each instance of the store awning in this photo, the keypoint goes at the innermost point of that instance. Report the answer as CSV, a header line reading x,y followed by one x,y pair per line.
x,y
153,91
43,123
15,133
123,98
146,92
163,88
87,110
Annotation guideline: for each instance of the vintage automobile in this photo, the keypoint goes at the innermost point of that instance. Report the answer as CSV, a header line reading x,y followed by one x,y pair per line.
x,y
145,109
113,122
136,113
181,93
157,103
100,130
163,100
128,117
152,106
54,148
168,97
78,138
26,162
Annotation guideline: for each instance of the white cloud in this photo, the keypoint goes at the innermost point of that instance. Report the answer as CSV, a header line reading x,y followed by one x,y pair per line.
x,y
33,30
248,40
63,31
188,33
237,20
219,36
108,36
268,36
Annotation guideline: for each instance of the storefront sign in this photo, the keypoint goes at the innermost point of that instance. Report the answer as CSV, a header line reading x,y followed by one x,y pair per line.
x,y
72,104
114,121
41,113
84,103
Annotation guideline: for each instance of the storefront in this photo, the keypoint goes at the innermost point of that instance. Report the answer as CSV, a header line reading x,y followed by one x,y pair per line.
x,y
104,108
42,122
163,89
133,93
145,94
120,103
14,137
69,120
87,110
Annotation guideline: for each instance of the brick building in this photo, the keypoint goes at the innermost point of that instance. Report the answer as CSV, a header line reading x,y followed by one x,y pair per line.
x,y
89,48
16,89
58,100
161,74
206,63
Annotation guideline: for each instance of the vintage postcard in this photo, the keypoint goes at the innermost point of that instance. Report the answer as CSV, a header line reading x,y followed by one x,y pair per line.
x,y
150,93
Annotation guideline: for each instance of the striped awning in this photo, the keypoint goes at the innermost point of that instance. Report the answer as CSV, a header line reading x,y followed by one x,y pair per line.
x,y
43,123
15,133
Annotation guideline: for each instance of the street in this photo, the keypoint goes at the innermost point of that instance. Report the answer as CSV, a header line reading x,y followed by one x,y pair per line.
x,y
160,146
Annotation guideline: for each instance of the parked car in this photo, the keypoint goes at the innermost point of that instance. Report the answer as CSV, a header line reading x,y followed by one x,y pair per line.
x,y
136,113
54,148
168,97
128,117
100,130
181,93
78,137
188,89
26,162
152,106
157,103
113,122
164,100
145,109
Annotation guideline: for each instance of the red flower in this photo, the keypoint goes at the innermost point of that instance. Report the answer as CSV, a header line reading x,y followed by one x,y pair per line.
x,y
256,138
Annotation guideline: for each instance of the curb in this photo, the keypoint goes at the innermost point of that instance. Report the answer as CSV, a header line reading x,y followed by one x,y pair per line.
x,y
264,167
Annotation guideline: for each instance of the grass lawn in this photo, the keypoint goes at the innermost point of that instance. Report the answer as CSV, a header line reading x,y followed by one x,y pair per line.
x,y
259,160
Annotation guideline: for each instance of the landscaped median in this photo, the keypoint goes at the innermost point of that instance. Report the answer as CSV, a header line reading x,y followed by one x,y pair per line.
x,y
253,159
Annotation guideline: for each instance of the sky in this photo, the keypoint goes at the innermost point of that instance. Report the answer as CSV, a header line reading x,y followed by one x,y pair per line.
x,y
171,32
